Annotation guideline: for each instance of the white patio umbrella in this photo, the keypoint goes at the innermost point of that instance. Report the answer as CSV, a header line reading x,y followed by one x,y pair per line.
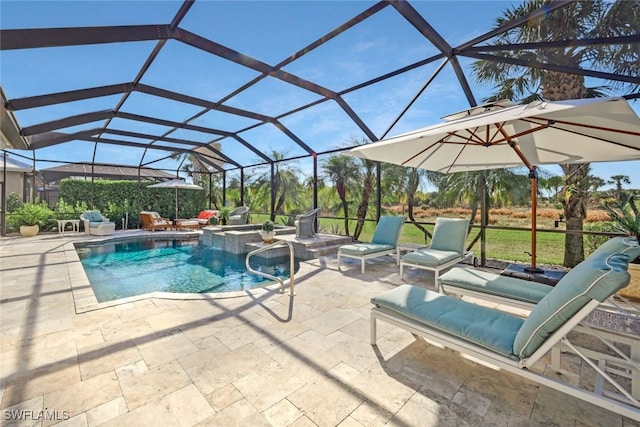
x,y
176,184
503,135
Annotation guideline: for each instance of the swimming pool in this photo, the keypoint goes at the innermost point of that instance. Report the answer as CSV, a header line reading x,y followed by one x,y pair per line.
x,y
135,267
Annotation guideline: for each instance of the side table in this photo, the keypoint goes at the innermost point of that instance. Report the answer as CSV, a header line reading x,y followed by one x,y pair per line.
x,y
548,277
62,223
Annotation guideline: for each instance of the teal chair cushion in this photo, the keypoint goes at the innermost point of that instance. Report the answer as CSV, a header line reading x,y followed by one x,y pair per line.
x,y
93,216
492,329
430,257
388,230
598,277
450,234
362,249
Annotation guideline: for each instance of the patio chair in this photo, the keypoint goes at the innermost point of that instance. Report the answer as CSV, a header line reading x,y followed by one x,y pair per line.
x,y
306,223
446,249
238,216
511,343
384,241
152,221
96,224
204,216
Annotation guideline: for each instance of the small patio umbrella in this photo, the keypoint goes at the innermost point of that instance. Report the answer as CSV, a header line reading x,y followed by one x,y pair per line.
x,y
504,135
176,184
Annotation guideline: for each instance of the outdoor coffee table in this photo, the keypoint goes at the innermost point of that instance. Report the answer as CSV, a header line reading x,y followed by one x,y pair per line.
x,y
181,224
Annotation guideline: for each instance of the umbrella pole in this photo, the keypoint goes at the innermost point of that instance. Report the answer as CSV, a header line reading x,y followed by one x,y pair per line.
x,y
533,174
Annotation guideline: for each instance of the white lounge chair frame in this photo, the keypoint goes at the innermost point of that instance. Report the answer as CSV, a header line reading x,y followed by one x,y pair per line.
x,y
364,258
622,403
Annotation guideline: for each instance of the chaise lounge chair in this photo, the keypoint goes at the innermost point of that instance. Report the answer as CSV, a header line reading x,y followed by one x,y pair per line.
x,y
204,216
512,291
96,224
152,221
446,249
238,216
306,224
384,241
515,344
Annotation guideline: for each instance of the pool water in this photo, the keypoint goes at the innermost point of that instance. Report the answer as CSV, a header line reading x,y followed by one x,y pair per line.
x,y
127,268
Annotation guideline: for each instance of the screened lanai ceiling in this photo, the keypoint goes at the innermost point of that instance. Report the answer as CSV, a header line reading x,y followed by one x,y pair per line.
x,y
228,83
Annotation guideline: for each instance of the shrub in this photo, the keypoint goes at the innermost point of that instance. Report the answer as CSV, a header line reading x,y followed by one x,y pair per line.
x,y
598,216
592,242
268,225
30,214
13,202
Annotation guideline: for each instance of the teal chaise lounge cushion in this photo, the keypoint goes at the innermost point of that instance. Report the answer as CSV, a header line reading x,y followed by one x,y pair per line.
x,y
492,329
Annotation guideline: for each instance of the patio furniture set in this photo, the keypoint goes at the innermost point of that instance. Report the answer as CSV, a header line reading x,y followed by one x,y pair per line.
x,y
97,224
515,343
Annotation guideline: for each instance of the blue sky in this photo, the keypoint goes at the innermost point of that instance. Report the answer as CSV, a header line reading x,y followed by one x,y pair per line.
x,y
269,31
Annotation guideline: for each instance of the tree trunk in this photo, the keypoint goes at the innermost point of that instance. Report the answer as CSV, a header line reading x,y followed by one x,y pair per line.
x,y
364,205
559,86
412,186
342,193
575,211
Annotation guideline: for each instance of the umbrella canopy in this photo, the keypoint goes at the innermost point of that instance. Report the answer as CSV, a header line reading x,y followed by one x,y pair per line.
x,y
176,184
503,135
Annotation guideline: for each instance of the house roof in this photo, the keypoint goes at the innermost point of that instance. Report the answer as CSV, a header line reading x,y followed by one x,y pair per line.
x,y
57,173
14,165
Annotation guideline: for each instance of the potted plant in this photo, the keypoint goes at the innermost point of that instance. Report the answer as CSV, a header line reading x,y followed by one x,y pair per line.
x,y
29,217
267,233
213,220
224,215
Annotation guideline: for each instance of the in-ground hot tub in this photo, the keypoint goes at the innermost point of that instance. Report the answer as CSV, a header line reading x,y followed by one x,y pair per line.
x,y
234,238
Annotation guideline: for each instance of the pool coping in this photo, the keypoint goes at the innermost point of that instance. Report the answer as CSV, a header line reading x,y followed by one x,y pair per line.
x,y
84,298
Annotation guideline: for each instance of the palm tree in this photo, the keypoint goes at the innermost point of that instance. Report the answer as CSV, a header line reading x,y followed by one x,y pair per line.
x,y
554,183
343,172
575,21
367,177
618,180
467,187
286,185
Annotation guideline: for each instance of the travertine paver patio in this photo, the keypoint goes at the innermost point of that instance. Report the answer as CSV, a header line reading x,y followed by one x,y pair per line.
x,y
259,359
